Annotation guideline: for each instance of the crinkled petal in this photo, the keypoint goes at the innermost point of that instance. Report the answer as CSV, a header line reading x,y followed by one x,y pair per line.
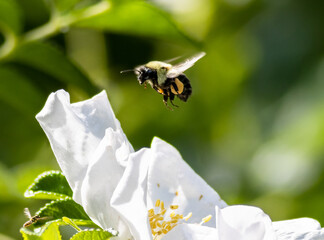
x,y
75,131
298,229
172,180
129,198
91,149
244,223
192,232
103,174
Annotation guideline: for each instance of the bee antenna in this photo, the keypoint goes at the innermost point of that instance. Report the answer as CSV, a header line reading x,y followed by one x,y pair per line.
x,y
128,70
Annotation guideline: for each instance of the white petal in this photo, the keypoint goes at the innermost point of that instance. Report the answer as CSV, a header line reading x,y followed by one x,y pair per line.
x,y
129,198
91,150
192,232
172,180
75,131
103,174
301,228
243,223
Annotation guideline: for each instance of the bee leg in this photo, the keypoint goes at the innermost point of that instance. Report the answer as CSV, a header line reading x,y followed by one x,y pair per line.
x,y
171,99
165,101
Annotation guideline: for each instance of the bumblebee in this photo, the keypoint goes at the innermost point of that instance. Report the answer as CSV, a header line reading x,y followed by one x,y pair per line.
x,y
167,79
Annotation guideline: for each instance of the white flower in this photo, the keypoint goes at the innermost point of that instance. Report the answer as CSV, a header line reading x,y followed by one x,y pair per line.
x,y
151,193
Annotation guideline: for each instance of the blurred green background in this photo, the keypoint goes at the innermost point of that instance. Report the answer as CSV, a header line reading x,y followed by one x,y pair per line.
x,y
253,127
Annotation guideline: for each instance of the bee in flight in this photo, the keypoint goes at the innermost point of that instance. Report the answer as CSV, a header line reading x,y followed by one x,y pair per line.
x,y
167,79
33,219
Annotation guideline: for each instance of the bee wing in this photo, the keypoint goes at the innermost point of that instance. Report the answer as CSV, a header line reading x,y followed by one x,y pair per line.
x,y
183,66
27,213
44,218
172,59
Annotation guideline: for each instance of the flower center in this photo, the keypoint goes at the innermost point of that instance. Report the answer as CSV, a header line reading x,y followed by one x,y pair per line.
x,y
161,223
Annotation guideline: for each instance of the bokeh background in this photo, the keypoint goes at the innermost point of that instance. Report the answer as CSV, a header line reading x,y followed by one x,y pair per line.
x,y
253,127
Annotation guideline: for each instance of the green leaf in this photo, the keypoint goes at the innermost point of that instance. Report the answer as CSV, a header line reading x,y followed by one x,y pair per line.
x,y
50,60
63,208
49,185
71,223
50,231
137,18
10,15
18,91
92,235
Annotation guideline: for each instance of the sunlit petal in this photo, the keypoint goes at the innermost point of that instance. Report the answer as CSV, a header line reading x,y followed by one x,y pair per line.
x,y
192,232
91,150
301,228
170,178
244,223
75,131
130,195
103,174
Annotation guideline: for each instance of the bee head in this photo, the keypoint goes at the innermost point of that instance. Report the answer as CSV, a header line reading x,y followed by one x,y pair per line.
x,y
144,74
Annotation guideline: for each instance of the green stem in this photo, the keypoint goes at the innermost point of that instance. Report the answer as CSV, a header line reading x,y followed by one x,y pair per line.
x,y
55,25
10,41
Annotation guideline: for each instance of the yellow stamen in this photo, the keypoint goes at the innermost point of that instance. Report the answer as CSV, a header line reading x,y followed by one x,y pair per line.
x,y
206,219
188,216
161,223
162,205
163,212
151,212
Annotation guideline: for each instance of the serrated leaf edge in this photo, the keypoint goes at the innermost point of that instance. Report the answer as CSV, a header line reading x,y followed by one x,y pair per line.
x,y
53,202
42,228
92,230
30,193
